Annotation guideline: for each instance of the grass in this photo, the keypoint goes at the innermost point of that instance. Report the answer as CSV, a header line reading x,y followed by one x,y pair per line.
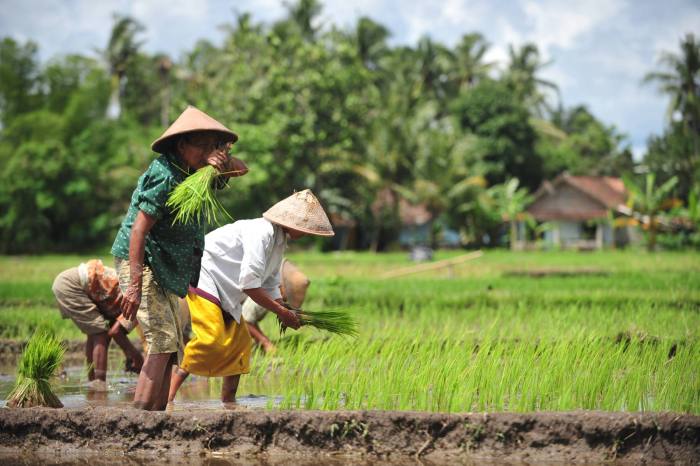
x,y
40,359
476,338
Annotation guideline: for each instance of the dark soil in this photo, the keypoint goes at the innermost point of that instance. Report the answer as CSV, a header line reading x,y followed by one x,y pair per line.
x,y
554,272
316,437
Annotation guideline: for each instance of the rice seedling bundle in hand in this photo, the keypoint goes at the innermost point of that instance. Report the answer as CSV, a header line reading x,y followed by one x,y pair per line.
x,y
338,322
194,199
38,363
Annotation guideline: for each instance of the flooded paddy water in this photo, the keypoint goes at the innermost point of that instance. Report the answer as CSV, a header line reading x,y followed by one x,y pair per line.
x,y
101,427
197,394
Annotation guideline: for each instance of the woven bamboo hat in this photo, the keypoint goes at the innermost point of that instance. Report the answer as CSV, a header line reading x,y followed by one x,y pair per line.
x,y
302,212
192,119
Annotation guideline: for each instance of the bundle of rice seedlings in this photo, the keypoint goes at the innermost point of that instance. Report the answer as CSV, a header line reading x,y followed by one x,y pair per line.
x,y
38,363
338,322
194,199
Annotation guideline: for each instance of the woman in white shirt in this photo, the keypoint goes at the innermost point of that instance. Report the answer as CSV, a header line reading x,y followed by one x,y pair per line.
x,y
242,260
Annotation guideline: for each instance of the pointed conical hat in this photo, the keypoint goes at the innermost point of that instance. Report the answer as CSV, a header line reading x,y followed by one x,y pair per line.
x,y
301,211
192,119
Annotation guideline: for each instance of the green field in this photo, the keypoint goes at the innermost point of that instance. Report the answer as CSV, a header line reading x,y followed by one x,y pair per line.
x,y
505,332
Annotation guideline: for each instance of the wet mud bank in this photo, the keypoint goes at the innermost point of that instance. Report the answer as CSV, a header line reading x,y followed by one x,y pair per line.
x,y
375,436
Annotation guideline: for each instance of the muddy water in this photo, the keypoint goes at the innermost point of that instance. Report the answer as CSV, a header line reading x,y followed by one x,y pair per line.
x,y
197,393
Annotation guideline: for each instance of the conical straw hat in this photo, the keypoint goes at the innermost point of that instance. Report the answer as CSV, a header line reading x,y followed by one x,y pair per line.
x,y
301,211
192,119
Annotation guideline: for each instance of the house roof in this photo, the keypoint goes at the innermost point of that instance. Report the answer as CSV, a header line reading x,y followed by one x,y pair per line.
x,y
602,193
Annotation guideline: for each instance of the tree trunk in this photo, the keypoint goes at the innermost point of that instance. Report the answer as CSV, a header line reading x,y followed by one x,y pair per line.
x,y
513,235
114,107
651,243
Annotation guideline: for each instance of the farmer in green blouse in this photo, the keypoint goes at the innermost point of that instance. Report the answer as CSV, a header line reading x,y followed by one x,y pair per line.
x,y
156,258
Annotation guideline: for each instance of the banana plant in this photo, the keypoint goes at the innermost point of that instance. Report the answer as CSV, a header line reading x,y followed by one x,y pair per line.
x,y
647,202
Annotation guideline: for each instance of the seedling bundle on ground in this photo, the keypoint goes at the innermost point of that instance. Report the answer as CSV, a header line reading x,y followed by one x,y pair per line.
x,y
40,359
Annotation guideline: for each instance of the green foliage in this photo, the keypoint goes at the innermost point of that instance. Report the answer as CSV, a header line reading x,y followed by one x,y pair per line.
x,y
366,125
677,151
40,359
506,140
647,200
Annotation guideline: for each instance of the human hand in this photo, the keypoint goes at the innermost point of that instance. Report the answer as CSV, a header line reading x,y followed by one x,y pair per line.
x,y
289,319
131,301
219,159
236,167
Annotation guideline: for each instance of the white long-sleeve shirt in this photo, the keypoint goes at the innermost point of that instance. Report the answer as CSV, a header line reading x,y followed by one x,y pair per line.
x,y
239,256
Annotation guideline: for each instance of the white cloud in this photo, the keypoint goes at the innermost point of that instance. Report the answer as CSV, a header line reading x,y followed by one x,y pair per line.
x,y
600,48
560,24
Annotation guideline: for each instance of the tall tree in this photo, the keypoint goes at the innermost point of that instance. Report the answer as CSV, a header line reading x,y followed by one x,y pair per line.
x,y
121,48
469,64
679,78
522,75
371,42
19,79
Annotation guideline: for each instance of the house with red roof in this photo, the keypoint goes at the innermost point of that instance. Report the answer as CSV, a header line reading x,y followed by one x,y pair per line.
x,y
580,211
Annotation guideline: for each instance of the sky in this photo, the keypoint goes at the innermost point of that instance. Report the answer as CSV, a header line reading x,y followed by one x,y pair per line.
x,y
599,50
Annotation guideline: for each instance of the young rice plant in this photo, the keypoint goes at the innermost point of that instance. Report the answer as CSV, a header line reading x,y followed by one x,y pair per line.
x,y
38,363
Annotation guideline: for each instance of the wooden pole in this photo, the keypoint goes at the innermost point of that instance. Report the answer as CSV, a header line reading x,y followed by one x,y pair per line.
x,y
432,266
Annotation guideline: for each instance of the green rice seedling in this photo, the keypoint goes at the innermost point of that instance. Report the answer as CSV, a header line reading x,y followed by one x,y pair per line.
x,y
38,363
338,322
194,199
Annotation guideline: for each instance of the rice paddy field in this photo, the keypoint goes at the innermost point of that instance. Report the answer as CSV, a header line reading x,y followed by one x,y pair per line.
x,y
507,332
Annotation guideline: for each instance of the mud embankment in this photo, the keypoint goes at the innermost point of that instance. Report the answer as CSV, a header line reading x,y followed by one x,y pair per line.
x,y
274,436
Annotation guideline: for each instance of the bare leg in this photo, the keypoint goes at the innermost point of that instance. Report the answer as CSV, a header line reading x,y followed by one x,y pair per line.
x,y
258,335
99,355
229,388
119,335
89,346
162,402
151,380
178,377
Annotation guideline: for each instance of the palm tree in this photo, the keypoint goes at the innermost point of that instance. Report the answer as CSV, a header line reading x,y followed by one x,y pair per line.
x,y
524,66
371,42
681,81
121,48
647,202
510,203
469,61
302,14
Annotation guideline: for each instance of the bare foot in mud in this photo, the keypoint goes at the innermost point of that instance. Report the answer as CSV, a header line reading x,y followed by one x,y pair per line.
x,y
97,385
233,406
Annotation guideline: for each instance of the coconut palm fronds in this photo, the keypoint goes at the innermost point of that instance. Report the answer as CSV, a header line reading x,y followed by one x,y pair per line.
x,y
194,199
40,359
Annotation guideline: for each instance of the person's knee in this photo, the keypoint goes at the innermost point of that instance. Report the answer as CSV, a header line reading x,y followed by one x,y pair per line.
x,y
102,338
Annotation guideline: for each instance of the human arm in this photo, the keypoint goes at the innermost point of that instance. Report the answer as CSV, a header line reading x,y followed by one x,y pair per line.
x,y
287,317
137,243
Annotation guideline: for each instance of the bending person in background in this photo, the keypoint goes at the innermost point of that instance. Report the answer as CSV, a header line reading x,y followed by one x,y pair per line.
x,y
241,260
89,295
293,286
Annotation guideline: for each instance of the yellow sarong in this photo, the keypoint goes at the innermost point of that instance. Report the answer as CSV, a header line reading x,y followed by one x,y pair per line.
x,y
218,348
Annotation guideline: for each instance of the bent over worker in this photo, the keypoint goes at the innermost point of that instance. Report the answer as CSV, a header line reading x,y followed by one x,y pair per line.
x,y
89,295
242,260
